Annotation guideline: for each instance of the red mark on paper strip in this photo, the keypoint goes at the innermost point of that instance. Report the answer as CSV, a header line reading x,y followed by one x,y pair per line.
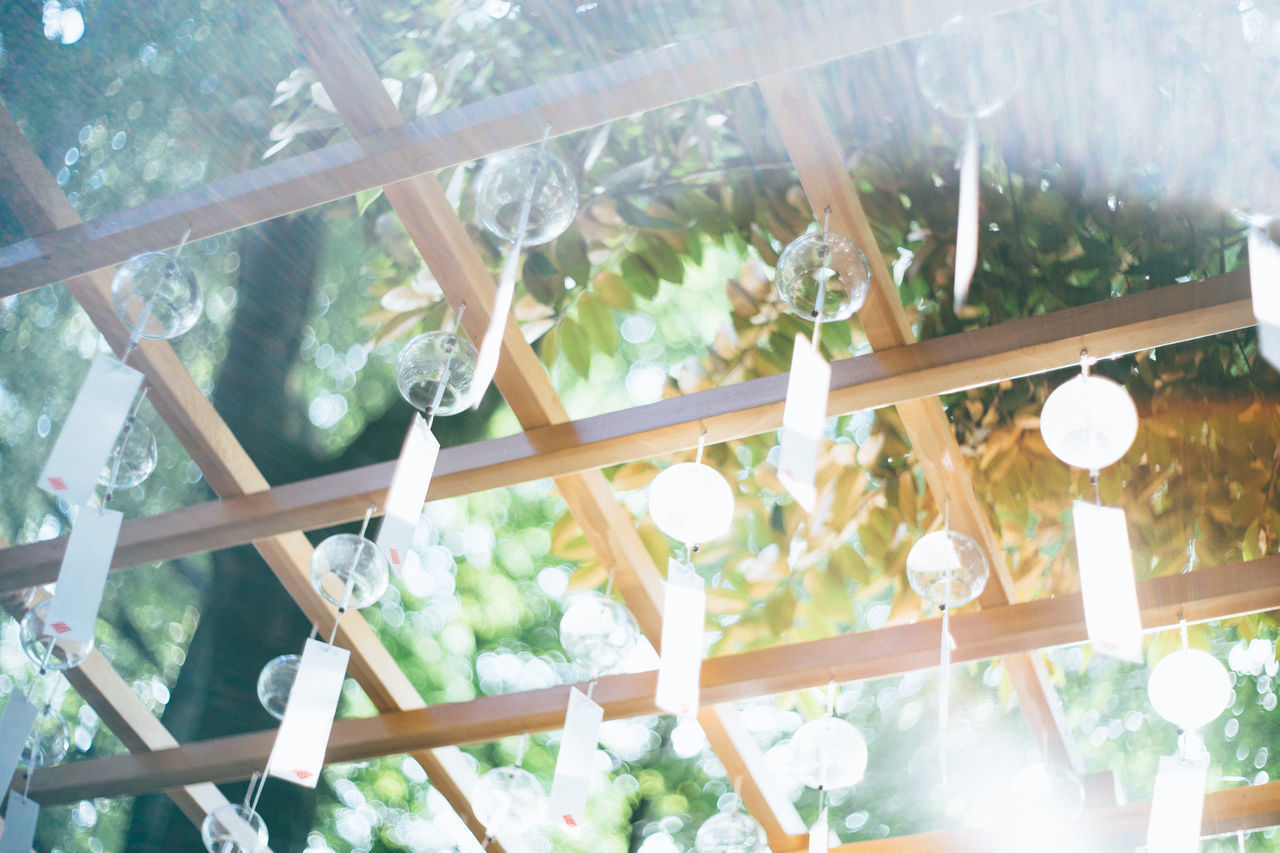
x,y
61,627
569,820
57,484
303,774
395,556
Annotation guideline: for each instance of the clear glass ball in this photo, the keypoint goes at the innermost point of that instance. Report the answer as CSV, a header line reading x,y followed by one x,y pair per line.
x,y
48,743
234,829
275,682
37,636
730,831
1189,688
133,456
156,295
969,67
508,799
431,359
826,268
947,568
828,753
1045,795
598,633
1089,422
691,502
344,561
504,183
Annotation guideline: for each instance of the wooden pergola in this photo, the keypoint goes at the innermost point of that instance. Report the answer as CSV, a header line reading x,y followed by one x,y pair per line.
x,y
768,47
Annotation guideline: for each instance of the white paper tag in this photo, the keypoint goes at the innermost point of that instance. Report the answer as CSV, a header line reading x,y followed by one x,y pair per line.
x,y
16,723
684,619
820,834
73,613
91,429
967,217
408,491
1111,614
298,754
575,763
1264,284
803,418
20,817
1177,805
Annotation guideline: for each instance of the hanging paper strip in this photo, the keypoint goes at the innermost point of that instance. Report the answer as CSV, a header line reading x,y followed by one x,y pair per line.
x,y
90,431
967,218
820,834
491,346
298,754
574,765
408,491
73,613
16,723
20,817
1111,613
1264,282
684,619
1177,805
803,418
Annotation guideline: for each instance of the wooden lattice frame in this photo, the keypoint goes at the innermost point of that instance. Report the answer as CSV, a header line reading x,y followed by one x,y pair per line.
x,y
386,152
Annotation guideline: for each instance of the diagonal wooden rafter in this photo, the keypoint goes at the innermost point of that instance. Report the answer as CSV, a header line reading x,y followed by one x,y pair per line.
x,y
355,89
819,162
1206,594
979,357
224,463
647,81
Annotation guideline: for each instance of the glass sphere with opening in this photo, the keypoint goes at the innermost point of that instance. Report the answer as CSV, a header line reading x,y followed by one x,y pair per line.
x,y
828,753
598,633
505,182
691,502
730,831
156,295
48,743
508,800
1045,795
823,276
46,647
232,828
275,683
349,571
133,456
433,360
1089,422
968,67
1189,688
947,569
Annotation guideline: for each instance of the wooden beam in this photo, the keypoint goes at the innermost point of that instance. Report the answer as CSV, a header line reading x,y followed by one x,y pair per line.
x,y
820,164
999,631
225,465
886,377
574,102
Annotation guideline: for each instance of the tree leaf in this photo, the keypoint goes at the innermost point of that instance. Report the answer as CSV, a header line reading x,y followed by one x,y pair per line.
x,y
633,215
610,289
570,252
597,321
664,260
541,278
576,348
365,198
639,276
780,609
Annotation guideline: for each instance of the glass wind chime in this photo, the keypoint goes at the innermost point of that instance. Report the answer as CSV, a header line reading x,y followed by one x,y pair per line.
x,y
693,504
525,197
947,569
102,442
827,753
967,69
824,278
730,829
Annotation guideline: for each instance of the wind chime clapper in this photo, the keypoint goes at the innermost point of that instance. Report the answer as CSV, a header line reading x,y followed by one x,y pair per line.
x,y
947,569
827,753
524,197
435,374
821,277
1190,688
968,69
1090,422
692,503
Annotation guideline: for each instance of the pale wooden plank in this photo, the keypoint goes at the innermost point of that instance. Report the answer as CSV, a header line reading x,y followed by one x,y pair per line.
x,y
999,631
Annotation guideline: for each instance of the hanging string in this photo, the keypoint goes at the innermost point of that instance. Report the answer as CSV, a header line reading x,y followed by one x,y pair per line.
x,y
831,698
145,315
820,300
261,780
351,575
608,584
524,744
119,457
448,366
